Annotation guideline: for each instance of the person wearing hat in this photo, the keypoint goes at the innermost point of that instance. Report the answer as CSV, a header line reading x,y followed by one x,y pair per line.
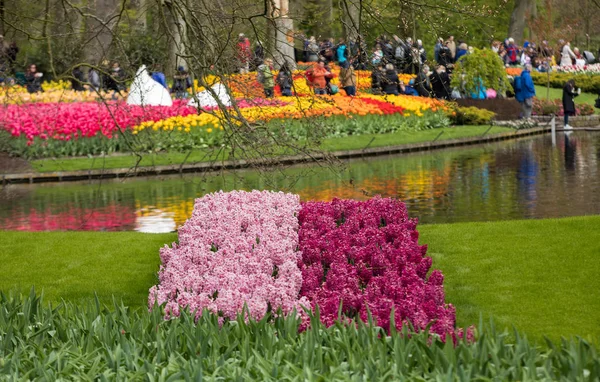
x,y
181,83
244,53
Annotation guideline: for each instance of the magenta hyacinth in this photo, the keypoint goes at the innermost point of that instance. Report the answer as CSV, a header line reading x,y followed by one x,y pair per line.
x,y
365,257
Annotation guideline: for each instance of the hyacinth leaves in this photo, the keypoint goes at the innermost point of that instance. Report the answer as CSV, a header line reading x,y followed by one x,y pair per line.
x,y
90,341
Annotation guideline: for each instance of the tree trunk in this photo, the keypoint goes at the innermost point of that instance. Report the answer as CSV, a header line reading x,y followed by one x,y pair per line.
x,y
284,35
99,31
176,27
351,18
518,18
2,7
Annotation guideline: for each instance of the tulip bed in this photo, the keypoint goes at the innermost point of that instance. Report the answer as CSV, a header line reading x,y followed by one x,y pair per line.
x,y
61,122
253,253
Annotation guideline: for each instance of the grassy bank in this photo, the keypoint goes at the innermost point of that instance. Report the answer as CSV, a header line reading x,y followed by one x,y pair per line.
x,y
539,275
197,156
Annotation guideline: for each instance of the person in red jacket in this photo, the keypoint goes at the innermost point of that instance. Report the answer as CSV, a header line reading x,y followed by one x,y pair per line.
x,y
317,75
244,53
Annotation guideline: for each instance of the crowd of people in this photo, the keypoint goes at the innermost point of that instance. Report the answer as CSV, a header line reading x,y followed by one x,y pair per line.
x,y
388,58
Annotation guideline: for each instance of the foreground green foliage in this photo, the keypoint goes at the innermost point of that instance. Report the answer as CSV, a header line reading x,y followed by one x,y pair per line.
x,y
92,342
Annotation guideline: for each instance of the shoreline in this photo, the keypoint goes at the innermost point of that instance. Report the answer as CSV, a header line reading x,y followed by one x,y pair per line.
x,y
215,166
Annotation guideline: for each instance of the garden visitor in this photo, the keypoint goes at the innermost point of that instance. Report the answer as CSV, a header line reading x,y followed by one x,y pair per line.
x,y
462,51
440,83
391,80
94,79
284,80
525,91
377,55
265,77
496,46
33,79
422,51
408,89
181,82
566,56
319,75
327,50
437,48
377,76
341,52
569,94
452,46
422,82
445,58
77,79
348,78
244,53
259,54
512,51
158,76
313,50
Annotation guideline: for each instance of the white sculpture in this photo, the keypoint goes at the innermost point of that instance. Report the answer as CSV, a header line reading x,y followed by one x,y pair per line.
x,y
144,91
206,99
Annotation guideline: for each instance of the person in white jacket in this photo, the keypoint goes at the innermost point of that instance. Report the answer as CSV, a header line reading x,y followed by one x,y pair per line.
x,y
567,56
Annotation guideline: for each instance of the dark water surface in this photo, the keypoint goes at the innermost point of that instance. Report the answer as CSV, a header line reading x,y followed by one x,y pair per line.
x,y
528,178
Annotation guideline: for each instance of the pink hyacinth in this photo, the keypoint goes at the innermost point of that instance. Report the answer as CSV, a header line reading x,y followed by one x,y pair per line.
x,y
237,248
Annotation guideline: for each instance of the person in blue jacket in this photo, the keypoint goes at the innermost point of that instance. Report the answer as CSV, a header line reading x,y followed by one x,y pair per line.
x,y
159,77
525,91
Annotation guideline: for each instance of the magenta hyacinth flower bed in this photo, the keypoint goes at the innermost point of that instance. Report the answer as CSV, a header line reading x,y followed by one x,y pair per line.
x,y
365,256
266,251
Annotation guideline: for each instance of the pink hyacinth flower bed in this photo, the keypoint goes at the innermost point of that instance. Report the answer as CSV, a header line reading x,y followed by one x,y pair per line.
x,y
265,251
237,248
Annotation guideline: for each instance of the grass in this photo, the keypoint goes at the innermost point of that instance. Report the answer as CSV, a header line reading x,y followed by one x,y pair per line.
x,y
542,92
542,276
332,144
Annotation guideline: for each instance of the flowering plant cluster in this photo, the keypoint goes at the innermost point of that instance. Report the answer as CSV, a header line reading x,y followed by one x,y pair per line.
x,y
555,107
66,121
578,69
361,257
239,249
263,251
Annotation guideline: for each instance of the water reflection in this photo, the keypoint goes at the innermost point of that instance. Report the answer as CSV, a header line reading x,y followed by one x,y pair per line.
x,y
520,179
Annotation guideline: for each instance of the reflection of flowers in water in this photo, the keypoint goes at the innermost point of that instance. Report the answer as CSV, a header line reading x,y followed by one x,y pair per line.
x,y
152,220
71,218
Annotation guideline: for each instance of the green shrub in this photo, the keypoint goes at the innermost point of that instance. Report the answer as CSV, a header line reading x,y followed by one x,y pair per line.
x,y
470,116
482,66
587,83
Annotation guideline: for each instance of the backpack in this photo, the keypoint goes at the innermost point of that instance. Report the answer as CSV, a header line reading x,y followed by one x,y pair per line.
x,y
260,75
518,84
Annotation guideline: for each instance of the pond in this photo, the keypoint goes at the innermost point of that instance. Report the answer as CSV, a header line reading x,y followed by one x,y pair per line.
x,y
527,178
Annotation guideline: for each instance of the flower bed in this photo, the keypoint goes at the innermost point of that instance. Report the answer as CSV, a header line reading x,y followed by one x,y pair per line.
x,y
239,249
361,257
555,107
259,252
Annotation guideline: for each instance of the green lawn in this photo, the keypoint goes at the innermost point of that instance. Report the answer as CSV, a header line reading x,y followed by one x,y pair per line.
x,y
333,144
543,276
542,92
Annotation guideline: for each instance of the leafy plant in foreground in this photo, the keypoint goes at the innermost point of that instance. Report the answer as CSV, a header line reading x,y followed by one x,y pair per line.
x,y
90,341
